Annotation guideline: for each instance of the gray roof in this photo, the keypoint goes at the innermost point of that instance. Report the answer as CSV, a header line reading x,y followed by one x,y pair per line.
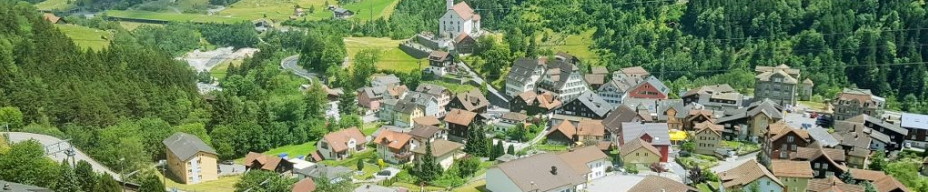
x,y
657,84
17,187
432,89
341,10
879,122
320,170
635,103
412,100
566,69
522,69
914,121
535,173
682,110
621,84
374,92
185,146
765,106
622,114
595,103
822,136
658,132
385,80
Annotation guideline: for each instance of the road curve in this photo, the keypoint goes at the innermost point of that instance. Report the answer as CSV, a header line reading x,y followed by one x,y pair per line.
x,y
16,137
290,64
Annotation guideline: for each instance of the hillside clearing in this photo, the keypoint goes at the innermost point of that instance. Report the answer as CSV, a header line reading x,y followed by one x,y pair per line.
x,y
86,37
174,17
391,57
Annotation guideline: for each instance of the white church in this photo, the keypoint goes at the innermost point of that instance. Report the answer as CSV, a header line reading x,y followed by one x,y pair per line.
x,y
459,20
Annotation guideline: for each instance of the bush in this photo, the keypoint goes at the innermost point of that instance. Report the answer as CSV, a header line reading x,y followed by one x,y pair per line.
x,y
631,168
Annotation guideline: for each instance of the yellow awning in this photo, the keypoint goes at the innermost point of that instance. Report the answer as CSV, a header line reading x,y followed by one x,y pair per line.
x,y
677,135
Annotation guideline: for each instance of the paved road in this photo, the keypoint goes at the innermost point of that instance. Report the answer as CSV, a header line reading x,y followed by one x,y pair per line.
x,y
290,64
16,137
733,162
496,98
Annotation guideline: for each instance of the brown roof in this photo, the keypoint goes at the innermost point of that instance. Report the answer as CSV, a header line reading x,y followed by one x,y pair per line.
x,y
595,79
440,147
888,184
565,128
832,184
633,145
514,116
424,131
394,140
438,55
810,153
653,183
460,117
542,172
528,97
51,18
604,145
635,70
339,139
427,120
578,158
780,129
548,101
473,99
709,126
746,173
465,11
599,70
588,127
267,162
786,168
304,185
869,175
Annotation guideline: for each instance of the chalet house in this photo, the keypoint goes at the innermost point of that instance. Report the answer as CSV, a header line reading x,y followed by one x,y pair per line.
x,y
658,183
634,72
426,121
444,151
613,122
638,151
394,147
654,133
473,101
714,97
831,184
778,84
697,116
459,19
341,13
52,18
651,88
464,44
917,127
567,171
340,144
422,134
751,123
372,97
826,162
597,76
533,104
257,161
189,159
588,105
673,113
440,63
524,76
795,175
782,140
750,173
708,137
402,112
386,81
564,80
853,102
459,122
895,132
510,120
890,184
615,90
569,133
856,142
441,94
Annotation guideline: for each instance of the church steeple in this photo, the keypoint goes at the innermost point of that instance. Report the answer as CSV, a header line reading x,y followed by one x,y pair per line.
x,y
450,4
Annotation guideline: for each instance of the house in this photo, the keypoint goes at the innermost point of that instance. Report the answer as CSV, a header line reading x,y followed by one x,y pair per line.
x,y
342,13
651,88
782,140
588,105
50,17
402,112
568,171
750,173
564,80
385,80
524,76
714,97
805,90
261,25
662,184
821,137
422,134
426,121
304,185
340,144
459,19
533,104
614,91
863,175
638,151
464,44
832,184
853,102
257,161
778,84
372,97
567,57
795,175
444,151
634,72
510,120
917,127
459,122
750,123
441,94
440,63
895,132
890,184
708,137
595,80
319,171
190,159
654,133
19,187
826,162
569,133
613,122
855,141
672,112
473,101
394,147
696,116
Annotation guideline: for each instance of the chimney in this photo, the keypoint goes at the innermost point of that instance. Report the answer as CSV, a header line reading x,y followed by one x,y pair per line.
x,y
450,4
553,170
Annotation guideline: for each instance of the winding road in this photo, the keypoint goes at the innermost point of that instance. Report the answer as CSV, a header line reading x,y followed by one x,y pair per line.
x,y
49,143
291,64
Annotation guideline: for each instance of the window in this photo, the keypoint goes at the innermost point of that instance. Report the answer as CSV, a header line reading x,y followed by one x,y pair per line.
x,y
790,139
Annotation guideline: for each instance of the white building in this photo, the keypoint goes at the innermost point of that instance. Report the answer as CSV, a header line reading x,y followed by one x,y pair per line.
x,y
524,76
569,171
459,19
616,90
563,79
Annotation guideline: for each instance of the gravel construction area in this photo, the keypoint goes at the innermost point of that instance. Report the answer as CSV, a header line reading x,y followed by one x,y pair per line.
x,y
206,60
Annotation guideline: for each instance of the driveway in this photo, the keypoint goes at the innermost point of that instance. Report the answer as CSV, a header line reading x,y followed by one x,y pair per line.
x,y
50,146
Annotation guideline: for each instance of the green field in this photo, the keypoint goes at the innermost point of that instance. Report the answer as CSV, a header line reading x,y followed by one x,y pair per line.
x,y
382,9
391,57
476,186
131,26
175,17
223,184
277,10
575,44
86,37
54,5
294,150
453,87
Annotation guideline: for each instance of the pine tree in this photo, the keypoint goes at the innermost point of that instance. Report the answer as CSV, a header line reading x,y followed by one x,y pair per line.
x,y
878,161
427,169
85,175
67,181
348,104
151,183
360,165
511,150
106,183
